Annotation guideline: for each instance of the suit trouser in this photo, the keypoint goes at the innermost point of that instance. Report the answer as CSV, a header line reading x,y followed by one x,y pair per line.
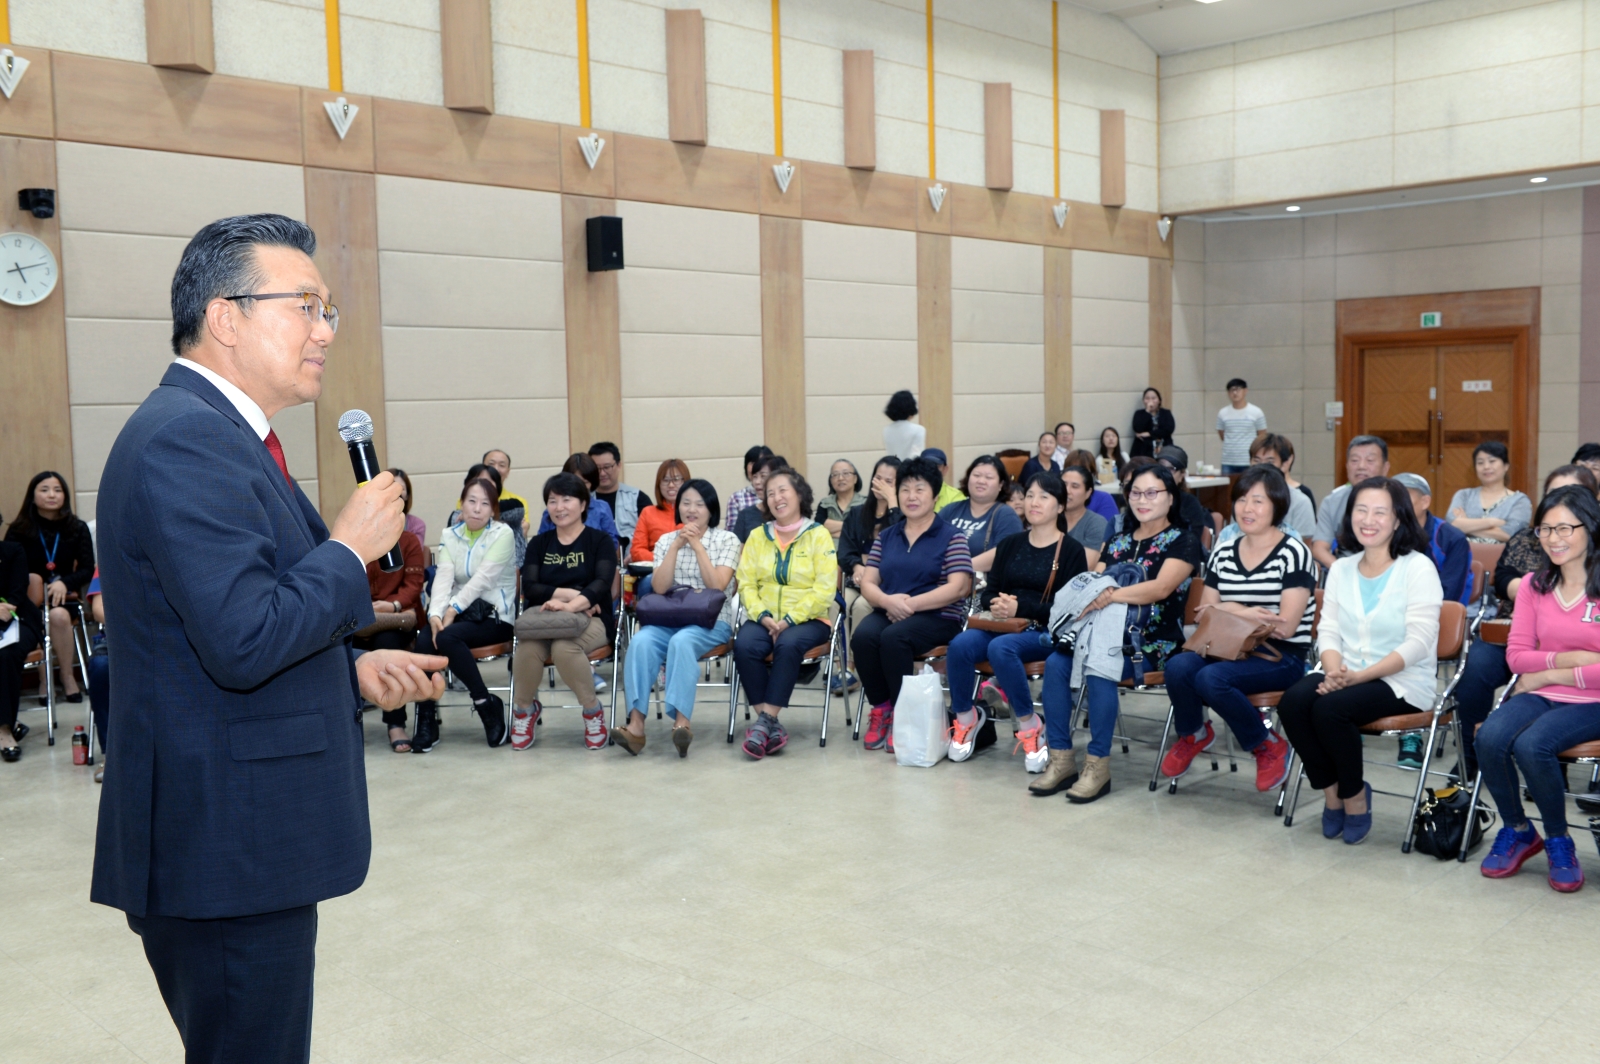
x,y
239,988
11,661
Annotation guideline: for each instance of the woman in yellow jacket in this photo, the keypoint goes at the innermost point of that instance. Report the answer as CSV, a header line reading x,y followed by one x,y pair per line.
x,y
788,576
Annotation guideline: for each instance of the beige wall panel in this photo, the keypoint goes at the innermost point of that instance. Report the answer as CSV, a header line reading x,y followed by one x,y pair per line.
x,y
271,40
297,430
680,301
690,238
110,28
854,310
470,292
1002,317
860,253
989,423
723,427
1100,275
1264,324
114,361
853,366
1110,322
1477,221
722,365
392,49
424,363
115,275
997,369
94,430
1512,263
480,220
990,265
541,82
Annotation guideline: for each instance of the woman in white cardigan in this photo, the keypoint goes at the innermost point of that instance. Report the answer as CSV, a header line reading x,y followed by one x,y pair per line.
x,y
1378,640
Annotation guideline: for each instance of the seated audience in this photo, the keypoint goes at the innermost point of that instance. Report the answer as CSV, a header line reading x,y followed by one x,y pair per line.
x,y
1012,495
1447,545
1364,458
949,493
1188,511
1044,460
60,553
1082,523
1066,432
916,579
787,574
656,521
1029,568
1167,555
1103,503
700,555
1277,450
597,514
397,601
1110,459
1378,639
510,502
570,570
1554,648
748,495
981,517
753,517
1490,512
844,495
16,607
1485,671
863,524
1264,574
472,598
1153,426
518,513
903,437
414,524
1588,456
626,502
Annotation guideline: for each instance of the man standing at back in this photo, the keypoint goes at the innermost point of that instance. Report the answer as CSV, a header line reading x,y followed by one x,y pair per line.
x,y
1239,425
235,797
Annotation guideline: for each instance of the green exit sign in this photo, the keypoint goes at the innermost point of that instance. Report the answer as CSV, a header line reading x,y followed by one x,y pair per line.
x,y
1431,319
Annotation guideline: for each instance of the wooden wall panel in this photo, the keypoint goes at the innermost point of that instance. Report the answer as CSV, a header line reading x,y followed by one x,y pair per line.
x,y
997,135
861,197
467,51
1057,335
177,33
990,215
35,409
1160,369
322,145
686,76
576,176
774,200
1117,230
416,140
107,101
935,370
342,207
1113,158
860,111
594,332
31,110
659,171
783,338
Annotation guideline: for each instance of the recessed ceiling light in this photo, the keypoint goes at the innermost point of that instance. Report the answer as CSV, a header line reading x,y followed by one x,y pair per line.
x,y
1206,1
1291,210
1537,180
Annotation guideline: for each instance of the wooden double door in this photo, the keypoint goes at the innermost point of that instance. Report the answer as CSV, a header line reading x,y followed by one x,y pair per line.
x,y
1434,403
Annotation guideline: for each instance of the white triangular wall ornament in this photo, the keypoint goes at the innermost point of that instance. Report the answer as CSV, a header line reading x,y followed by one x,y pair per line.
x,y
936,197
1164,226
341,113
12,67
784,173
1060,211
591,146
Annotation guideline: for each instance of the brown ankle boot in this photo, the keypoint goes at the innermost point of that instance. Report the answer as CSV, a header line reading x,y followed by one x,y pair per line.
x,y
1095,782
1059,774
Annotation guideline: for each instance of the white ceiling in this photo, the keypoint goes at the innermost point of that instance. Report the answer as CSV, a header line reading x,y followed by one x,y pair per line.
x,y
1171,26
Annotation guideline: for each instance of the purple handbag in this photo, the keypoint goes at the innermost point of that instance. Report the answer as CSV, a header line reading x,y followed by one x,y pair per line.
x,y
681,607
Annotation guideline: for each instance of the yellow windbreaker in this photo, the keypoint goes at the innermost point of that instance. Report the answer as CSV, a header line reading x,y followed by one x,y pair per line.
x,y
796,585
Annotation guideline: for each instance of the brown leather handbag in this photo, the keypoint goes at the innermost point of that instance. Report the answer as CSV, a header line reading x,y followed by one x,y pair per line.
x,y
983,621
1224,636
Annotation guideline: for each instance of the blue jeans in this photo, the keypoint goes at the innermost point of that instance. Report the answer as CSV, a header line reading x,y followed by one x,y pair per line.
x,y
680,649
1485,672
1006,654
1057,698
1194,682
1527,732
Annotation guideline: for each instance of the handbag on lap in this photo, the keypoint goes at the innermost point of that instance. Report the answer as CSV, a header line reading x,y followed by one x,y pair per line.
x,y
1224,636
681,607
536,624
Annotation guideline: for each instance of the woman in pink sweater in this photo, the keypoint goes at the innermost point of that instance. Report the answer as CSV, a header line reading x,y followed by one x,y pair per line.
x,y
1554,648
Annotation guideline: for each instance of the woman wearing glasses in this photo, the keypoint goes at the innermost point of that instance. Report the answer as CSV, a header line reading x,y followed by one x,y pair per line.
x,y
656,521
1555,650
844,495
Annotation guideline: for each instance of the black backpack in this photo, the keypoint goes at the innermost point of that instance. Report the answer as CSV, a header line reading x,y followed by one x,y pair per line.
x,y
1442,821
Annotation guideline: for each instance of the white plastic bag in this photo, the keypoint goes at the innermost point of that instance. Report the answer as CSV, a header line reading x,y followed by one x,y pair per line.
x,y
921,733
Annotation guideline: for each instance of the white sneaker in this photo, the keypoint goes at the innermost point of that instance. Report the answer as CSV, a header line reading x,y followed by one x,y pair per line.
x,y
594,730
1035,751
522,725
599,683
962,739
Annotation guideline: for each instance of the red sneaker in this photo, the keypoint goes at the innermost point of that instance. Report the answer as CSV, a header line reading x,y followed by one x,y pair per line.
x,y
595,736
1185,750
523,722
1272,762
880,728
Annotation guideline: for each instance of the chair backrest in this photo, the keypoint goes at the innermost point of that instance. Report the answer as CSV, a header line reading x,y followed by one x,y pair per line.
x,y
1013,459
1479,578
1316,617
1488,554
1452,630
1496,631
1216,523
1191,608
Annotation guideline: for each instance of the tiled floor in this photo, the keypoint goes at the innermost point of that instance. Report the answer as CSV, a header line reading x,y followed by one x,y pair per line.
x,y
828,906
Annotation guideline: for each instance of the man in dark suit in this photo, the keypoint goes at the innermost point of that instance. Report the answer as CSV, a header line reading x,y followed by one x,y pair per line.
x,y
235,797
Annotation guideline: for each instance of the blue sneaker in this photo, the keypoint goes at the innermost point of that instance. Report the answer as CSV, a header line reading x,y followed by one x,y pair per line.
x,y
843,683
1565,873
1358,825
1332,822
1510,850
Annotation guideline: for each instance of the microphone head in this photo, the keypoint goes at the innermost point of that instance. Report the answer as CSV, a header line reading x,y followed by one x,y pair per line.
x,y
355,426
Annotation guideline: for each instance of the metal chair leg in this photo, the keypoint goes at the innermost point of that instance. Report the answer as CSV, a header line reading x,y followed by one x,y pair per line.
x,y
1422,784
1283,791
827,686
1161,752
1294,799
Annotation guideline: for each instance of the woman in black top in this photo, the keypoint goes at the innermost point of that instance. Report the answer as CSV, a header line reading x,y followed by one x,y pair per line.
x,y
568,569
862,524
60,553
1152,426
15,603
1029,568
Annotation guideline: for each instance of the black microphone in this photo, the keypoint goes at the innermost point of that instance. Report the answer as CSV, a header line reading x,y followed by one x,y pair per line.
x,y
355,428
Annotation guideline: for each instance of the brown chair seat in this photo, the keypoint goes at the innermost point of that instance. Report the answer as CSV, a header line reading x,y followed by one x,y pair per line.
x,y
1404,722
720,650
1151,679
1266,699
929,655
493,650
1034,669
598,654
1496,632
809,656
1581,752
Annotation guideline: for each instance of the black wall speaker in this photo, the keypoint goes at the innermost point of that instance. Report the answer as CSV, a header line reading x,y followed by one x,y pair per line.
x,y
605,243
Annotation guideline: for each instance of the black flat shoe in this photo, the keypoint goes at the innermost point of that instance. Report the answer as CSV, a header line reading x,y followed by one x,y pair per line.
x,y
426,737
75,698
19,731
492,713
10,753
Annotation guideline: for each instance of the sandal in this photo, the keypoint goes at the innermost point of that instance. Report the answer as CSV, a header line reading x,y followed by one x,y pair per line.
x,y
401,745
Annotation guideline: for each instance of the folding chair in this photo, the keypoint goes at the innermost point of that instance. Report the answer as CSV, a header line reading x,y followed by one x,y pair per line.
x,y
934,657
827,653
1452,647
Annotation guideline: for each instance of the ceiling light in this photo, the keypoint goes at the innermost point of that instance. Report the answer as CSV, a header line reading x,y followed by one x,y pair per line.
x,y
1291,210
1206,1
1537,180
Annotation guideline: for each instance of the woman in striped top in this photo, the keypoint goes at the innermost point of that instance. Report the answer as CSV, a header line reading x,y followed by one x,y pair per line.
x,y
1263,574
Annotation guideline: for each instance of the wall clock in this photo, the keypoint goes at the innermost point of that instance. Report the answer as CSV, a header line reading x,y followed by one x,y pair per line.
x,y
28,270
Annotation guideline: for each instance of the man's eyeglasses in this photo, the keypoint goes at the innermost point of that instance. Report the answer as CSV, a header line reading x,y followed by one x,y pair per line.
x,y
1559,531
311,305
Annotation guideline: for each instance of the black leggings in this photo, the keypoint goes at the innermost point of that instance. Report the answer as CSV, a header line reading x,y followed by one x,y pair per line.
x,y
11,659
1325,730
884,649
456,643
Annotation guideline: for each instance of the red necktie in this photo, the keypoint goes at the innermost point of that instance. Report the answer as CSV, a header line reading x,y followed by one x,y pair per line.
x,y
277,455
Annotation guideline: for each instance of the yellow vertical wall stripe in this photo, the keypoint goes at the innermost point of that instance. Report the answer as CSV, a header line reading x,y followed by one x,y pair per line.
x,y
777,80
330,9
1055,87
5,21
583,63
933,157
